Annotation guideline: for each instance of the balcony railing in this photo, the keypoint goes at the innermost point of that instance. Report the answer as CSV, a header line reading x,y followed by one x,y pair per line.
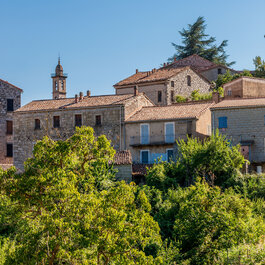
x,y
64,75
155,139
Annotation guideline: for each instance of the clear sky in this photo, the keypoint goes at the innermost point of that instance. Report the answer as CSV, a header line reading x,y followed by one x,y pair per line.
x,y
104,41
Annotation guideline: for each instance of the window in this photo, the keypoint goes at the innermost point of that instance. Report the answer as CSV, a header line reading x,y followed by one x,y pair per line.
x,y
78,120
9,127
56,121
9,150
169,132
188,80
159,96
37,124
10,104
222,122
169,155
219,71
172,83
172,96
144,156
98,119
56,85
229,92
62,84
144,134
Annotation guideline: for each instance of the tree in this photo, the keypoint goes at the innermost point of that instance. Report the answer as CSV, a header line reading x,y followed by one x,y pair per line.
x,y
70,210
259,67
196,41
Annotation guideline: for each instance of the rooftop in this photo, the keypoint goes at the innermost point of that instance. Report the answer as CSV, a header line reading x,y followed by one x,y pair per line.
x,y
5,82
123,158
68,103
250,78
188,110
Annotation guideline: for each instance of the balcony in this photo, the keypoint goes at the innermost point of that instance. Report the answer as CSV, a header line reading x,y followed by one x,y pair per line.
x,y
155,139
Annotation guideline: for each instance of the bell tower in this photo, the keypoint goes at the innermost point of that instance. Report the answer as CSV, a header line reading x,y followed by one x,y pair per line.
x,y
59,82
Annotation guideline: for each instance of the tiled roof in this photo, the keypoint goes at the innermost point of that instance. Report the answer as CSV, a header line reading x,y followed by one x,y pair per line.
x,y
197,62
140,169
152,76
172,112
3,81
68,103
123,158
251,78
240,103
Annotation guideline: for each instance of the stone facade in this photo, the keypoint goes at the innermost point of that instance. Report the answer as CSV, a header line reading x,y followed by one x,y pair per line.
x,y
175,85
212,74
112,123
10,100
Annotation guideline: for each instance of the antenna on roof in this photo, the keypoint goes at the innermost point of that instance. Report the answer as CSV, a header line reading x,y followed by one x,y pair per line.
x,y
59,58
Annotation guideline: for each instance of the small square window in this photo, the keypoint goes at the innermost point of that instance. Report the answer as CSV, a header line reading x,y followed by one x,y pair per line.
x,y
219,71
98,119
172,84
145,157
56,121
159,96
9,127
9,150
10,104
78,120
229,92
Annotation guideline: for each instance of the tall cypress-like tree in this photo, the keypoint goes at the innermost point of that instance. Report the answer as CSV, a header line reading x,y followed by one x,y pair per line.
x,y
196,41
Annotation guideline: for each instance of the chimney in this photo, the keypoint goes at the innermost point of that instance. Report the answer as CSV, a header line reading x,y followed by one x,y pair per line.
x,y
136,92
164,64
136,71
76,98
88,93
81,96
175,59
216,97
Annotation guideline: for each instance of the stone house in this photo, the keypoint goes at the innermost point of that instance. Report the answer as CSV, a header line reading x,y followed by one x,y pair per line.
x,y
243,122
151,132
162,85
203,66
10,99
123,163
245,87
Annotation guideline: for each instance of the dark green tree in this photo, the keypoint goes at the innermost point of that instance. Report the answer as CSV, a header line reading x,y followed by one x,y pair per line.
x,y
259,67
196,41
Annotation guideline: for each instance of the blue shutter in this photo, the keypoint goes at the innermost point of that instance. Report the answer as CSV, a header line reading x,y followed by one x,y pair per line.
x,y
222,122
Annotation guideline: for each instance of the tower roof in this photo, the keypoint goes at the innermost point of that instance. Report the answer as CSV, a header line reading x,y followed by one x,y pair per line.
x,y
59,68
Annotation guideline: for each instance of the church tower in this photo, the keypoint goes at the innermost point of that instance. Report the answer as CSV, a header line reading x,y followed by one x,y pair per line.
x,y
59,82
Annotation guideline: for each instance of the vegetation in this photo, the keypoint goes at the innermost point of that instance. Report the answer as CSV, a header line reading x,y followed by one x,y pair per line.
x,y
196,41
195,96
67,208
259,67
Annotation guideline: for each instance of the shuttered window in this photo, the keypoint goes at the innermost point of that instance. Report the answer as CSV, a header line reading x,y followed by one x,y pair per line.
x,y
56,121
9,150
222,122
9,127
10,104
145,157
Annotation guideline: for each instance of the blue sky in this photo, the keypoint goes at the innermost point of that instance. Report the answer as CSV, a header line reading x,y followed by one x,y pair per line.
x,y
102,42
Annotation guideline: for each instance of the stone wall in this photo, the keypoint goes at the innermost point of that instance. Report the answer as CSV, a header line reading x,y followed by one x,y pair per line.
x,y
7,91
124,172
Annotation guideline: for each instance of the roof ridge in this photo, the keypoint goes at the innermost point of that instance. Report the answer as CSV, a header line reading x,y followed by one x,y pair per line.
x,y
4,81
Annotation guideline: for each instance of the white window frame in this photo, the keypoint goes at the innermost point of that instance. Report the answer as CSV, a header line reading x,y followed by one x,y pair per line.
x,y
165,126
141,132
169,149
141,151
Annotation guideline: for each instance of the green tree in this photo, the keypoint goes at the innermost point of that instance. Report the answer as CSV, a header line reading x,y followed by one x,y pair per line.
x,y
259,67
71,212
196,41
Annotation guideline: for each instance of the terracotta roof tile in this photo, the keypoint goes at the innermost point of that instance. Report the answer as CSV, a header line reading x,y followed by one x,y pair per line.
x,y
68,103
175,111
132,79
240,103
123,158
3,81
251,78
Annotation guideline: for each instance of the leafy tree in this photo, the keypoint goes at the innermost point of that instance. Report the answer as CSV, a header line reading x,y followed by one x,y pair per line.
x,y
196,41
259,67
71,212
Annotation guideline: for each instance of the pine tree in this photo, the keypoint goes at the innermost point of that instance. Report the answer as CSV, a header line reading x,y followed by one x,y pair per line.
x,y
196,41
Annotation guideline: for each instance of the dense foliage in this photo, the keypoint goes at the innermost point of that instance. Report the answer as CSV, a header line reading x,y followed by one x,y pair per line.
x,y
67,208
196,41
259,67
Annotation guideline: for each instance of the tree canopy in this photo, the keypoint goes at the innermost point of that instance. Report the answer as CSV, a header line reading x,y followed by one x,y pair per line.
x,y
196,41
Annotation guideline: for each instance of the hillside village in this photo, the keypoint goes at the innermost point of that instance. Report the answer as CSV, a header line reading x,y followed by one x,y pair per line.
x,y
142,119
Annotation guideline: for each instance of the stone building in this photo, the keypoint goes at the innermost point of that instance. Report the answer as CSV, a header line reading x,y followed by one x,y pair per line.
x,y
245,87
151,132
10,98
162,85
203,66
123,164
243,122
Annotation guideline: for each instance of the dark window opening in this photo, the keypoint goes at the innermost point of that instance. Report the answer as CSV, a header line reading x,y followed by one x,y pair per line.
x,y
219,71
37,124
145,157
10,104
188,80
170,155
78,120
172,83
159,96
9,127
56,121
172,96
9,150
98,119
